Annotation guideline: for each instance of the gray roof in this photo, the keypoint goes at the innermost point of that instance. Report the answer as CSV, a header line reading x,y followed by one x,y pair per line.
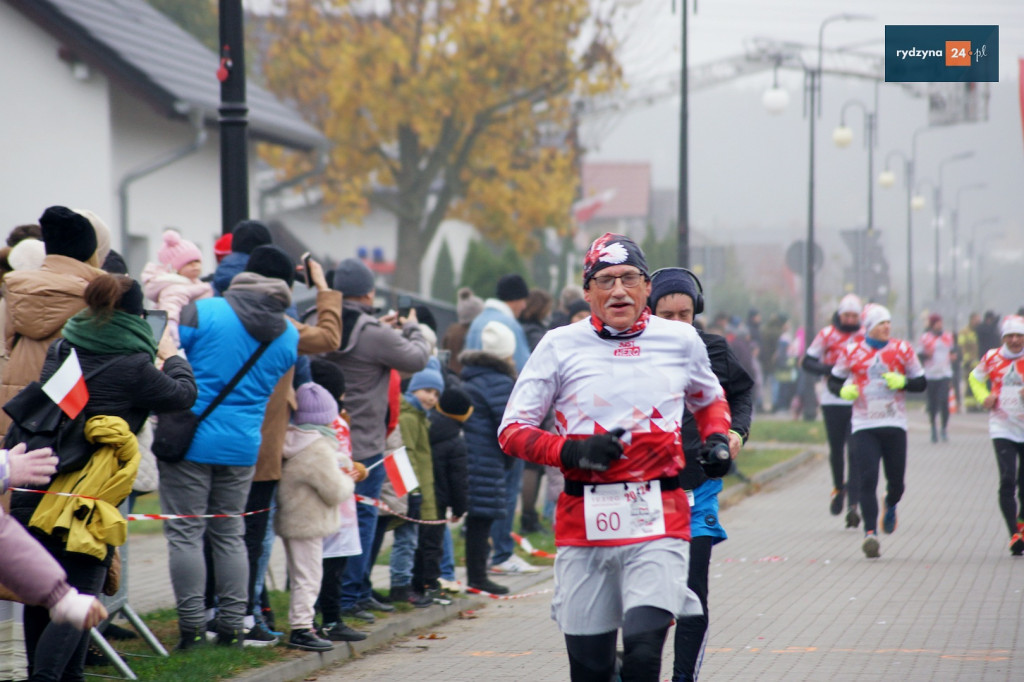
x,y
152,57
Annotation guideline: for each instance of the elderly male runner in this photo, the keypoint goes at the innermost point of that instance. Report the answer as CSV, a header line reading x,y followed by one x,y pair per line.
x,y
618,383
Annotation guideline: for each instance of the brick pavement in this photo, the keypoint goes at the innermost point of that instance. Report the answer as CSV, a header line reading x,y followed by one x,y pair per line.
x,y
793,597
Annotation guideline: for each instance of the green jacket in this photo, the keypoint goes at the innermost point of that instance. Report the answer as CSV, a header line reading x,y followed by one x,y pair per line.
x,y
416,436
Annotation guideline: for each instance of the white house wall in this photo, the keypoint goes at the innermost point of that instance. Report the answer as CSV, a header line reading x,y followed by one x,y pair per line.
x,y
185,194
55,137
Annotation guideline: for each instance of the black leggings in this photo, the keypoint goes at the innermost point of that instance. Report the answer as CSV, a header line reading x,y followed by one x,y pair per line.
x,y
937,391
837,428
887,444
57,652
691,631
592,657
1010,458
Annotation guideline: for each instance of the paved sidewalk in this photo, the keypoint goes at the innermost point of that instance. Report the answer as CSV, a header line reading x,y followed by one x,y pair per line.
x,y
794,598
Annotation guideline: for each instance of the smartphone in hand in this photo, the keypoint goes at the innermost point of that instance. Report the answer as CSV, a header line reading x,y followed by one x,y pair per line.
x,y
404,306
305,269
157,320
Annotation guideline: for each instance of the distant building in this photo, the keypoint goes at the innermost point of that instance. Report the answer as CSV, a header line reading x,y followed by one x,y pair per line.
x,y
616,198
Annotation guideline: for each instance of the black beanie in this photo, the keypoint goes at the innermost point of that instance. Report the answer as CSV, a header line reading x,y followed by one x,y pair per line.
x,y
270,261
672,281
512,288
456,404
132,300
328,375
248,234
66,233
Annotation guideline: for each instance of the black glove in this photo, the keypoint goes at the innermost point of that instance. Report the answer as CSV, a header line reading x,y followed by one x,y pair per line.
x,y
714,456
595,453
415,505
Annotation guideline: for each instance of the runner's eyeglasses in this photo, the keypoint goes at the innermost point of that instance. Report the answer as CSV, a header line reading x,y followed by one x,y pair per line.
x,y
606,282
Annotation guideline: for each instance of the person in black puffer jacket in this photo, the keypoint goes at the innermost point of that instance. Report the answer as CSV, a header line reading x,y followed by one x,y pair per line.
x,y
488,376
111,330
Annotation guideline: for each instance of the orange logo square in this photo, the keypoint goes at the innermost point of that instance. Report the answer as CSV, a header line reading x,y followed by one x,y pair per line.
x,y
958,53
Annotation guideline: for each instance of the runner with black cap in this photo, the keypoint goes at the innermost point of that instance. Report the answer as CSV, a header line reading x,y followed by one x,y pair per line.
x,y
677,294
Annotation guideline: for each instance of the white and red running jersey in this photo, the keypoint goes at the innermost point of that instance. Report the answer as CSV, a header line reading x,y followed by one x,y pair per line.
x,y
596,384
878,405
827,346
1006,419
937,353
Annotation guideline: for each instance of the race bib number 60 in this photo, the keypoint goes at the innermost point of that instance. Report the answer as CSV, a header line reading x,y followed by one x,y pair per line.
x,y
619,511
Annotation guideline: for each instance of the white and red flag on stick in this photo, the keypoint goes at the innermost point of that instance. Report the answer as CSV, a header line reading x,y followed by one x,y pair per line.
x,y
67,386
400,473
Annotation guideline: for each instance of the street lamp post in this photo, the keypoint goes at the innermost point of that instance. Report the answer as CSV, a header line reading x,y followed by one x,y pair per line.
x,y
955,218
938,212
887,179
971,265
842,136
814,87
234,164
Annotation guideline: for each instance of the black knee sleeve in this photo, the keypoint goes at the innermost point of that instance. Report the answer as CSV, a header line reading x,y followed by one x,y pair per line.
x,y
591,657
643,637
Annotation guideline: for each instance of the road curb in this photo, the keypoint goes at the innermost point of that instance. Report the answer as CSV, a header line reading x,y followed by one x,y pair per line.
x,y
387,630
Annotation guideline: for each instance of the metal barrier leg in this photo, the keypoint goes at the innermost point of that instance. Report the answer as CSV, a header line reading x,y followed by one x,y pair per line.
x,y
109,652
147,635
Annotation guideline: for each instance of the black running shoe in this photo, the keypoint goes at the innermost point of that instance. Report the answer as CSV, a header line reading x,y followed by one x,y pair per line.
x,y
835,507
1017,544
307,640
852,518
259,636
339,632
489,586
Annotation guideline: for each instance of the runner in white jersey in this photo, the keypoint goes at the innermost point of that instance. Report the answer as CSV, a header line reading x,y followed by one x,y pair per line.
x,y
937,352
879,369
1003,368
618,383
820,357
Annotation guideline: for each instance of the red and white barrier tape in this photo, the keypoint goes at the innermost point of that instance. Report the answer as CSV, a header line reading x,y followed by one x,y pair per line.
x,y
473,590
383,507
528,547
169,517
148,517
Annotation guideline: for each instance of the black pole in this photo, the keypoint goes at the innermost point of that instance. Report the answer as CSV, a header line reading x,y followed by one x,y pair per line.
x,y
234,164
910,250
809,328
683,251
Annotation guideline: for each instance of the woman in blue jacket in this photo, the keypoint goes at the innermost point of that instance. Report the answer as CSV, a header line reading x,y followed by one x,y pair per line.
x,y
219,335
488,376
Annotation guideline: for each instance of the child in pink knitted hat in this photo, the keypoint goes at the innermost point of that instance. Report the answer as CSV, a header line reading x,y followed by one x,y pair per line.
x,y
173,281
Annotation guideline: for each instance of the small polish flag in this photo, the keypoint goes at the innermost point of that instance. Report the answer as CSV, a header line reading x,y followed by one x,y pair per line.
x,y
400,473
67,386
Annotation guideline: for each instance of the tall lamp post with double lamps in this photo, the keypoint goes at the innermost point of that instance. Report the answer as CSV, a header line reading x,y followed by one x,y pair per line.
x,y
774,101
842,137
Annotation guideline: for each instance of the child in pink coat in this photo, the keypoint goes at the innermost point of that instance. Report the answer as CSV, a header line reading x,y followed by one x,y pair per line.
x,y
173,282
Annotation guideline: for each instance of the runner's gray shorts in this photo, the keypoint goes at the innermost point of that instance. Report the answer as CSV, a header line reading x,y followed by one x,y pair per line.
x,y
595,586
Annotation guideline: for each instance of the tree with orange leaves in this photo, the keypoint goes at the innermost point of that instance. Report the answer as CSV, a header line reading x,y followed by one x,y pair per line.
x,y
445,108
